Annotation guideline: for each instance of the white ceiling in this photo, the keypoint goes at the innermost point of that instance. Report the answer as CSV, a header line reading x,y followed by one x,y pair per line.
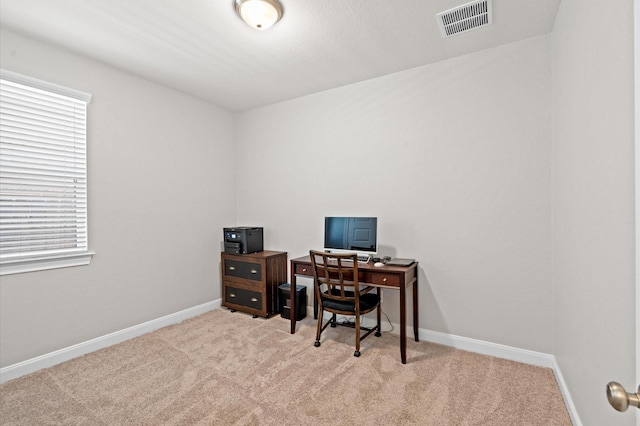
x,y
201,47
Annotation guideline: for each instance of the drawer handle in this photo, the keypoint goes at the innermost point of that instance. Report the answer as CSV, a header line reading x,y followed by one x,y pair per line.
x,y
232,295
304,269
384,280
253,299
253,271
232,268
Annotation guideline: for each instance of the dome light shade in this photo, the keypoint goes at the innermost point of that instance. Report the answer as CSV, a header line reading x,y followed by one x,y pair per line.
x,y
259,14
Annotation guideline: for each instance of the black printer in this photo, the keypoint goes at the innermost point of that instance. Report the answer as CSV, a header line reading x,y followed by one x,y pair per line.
x,y
243,240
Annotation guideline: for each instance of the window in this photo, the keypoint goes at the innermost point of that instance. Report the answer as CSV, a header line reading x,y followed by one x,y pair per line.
x,y
43,175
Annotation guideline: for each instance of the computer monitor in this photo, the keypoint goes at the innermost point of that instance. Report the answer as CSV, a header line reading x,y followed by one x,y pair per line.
x,y
351,235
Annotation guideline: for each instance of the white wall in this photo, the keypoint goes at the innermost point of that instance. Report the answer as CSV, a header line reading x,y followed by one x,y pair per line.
x,y
593,203
160,175
453,159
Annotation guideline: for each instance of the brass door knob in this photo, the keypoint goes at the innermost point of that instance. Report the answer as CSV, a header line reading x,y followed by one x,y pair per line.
x,y
620,399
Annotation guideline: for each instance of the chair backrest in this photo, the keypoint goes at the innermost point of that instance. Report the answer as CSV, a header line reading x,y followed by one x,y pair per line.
x,y
335,276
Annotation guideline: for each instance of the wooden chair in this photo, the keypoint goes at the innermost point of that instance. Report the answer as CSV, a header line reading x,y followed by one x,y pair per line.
x,y
339,292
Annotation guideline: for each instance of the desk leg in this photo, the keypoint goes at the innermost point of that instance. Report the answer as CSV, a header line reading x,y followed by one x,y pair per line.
x,y
378,317
403,324
292,300
415,308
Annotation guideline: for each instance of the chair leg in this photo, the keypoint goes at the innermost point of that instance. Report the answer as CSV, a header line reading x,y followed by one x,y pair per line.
x,y
379,330
319,329
334,321
357,352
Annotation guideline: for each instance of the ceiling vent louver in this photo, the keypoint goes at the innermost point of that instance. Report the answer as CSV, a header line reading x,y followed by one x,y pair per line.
x,y
465,18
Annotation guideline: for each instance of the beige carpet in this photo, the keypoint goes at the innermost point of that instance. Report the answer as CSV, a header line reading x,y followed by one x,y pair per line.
x,y
226,368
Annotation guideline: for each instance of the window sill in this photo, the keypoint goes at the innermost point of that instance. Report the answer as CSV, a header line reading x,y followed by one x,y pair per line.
x,y
19,266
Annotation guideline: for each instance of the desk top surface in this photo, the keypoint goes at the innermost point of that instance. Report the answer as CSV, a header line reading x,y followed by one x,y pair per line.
x,y
364,266
257,255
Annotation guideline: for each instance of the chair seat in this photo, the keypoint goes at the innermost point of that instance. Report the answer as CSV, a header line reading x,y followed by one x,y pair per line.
x,y
367,302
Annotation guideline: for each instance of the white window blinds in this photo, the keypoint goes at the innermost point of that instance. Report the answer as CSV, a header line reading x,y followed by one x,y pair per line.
x,y
43,173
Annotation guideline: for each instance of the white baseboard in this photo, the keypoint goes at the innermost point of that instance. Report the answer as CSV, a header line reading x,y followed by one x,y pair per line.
x,y
464,343
571,408
53,358
524,356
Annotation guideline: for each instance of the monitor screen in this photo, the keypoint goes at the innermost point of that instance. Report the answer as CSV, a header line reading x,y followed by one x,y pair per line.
x,y
351,234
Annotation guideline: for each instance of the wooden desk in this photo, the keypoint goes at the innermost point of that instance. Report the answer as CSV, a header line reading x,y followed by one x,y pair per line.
x,y
394,277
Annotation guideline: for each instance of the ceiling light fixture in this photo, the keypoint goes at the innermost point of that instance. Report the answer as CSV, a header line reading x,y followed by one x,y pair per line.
x,y
259,14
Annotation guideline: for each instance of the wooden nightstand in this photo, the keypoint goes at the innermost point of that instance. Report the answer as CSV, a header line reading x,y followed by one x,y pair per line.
x,y
250,281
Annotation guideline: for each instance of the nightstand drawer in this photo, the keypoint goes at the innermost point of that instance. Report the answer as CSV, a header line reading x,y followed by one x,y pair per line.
x,y
240,296
243,270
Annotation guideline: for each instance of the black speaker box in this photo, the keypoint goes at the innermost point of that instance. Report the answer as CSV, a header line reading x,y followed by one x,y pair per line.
x,y
284,301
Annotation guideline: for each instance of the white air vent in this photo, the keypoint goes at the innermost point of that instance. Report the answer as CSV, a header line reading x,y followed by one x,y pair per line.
x,y
465,18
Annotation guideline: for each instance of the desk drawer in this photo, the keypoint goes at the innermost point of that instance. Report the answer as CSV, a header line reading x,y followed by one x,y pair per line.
x,y
304,270
391,280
